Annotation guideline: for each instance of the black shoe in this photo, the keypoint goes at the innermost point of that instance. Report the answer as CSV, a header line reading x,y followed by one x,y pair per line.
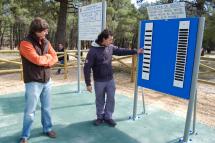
x,y
98,122
110,122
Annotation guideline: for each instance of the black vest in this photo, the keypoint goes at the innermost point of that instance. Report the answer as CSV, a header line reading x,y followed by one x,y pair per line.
x,y
33,72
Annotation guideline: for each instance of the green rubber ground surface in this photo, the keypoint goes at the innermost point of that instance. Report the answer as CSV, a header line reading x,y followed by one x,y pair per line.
x,y
73,113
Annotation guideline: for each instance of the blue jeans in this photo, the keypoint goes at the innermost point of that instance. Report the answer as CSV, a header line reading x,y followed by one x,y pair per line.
x,y
34,91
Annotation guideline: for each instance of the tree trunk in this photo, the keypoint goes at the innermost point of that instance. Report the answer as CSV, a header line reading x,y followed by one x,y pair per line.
x,y
16,33
2,38
134,40
11,37
73,36
200,7
61,25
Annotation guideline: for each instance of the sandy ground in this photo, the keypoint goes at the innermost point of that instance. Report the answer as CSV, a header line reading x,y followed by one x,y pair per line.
x,y
205,106
178,106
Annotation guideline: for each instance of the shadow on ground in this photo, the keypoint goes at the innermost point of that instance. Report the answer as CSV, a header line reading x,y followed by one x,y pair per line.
x,y
73,114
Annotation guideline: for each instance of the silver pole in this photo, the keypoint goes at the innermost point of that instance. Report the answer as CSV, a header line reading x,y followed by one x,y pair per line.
x,y
144,109
136,86
79,56
104,5
135,100
79,65
194,78
194,114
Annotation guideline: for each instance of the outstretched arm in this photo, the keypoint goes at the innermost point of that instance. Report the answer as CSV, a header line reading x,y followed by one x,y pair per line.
x,y
121,51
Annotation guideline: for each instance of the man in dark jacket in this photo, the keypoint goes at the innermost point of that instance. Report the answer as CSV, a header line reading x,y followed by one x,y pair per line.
x,y
99,59
37,58
60,48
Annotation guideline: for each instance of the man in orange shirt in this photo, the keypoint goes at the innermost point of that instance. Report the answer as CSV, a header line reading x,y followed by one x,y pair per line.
x,y
37,58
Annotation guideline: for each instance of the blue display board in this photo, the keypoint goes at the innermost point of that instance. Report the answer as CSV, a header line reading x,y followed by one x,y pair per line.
x,y
169,52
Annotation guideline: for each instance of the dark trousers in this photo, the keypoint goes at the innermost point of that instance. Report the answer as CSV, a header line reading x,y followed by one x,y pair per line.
x,y
105,104
59,70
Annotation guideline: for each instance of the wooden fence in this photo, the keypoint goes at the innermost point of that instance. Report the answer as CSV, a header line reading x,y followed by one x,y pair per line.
x,y
73,63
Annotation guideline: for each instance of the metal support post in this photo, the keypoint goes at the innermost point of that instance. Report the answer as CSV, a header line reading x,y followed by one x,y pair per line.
x,y
136,86
194,79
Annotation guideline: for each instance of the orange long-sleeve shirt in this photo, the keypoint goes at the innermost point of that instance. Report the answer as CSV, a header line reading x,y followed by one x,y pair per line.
x,y
27,50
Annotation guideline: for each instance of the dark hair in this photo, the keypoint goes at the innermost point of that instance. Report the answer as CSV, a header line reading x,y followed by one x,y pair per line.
x,y
38,25
103,35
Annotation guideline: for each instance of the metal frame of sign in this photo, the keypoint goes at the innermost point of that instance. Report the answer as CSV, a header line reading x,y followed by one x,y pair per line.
x,y
184,85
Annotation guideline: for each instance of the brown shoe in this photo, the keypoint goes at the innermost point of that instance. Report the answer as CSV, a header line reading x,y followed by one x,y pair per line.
x,y
22,140
51,134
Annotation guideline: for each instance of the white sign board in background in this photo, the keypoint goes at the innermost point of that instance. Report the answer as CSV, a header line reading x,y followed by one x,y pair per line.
x,y
90,21
167,11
